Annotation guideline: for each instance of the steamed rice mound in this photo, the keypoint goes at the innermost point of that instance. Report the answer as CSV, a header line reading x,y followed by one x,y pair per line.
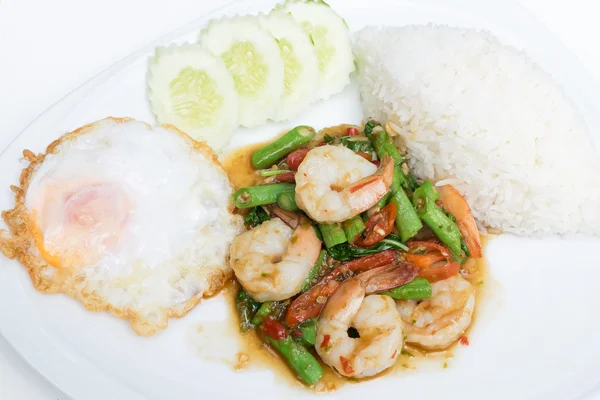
x,y
481,116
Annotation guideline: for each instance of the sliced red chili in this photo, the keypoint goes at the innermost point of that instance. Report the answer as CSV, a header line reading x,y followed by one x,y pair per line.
x,y
274,329
433,260
464,340
325,341
346,366
310,303
373,261
288,177
352,131
295,158
378,226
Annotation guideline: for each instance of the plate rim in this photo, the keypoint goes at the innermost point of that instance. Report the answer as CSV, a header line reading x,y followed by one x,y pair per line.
x,y
65,384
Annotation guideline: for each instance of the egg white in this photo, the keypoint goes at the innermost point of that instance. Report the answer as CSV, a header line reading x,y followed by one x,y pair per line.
x,y
161,226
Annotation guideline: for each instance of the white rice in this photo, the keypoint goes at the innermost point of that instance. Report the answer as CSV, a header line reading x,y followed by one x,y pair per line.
x,y
483,117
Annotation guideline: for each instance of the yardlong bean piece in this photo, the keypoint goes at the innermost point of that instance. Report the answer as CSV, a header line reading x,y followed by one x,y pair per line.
x,y
263,312
417,289
314,271
274,151
383,144
304,364
253,196
287,201
308,331
397,182
333,234
353,227
443,227
407,219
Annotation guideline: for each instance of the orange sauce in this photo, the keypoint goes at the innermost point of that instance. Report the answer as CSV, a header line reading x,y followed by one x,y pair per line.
x,y
255,353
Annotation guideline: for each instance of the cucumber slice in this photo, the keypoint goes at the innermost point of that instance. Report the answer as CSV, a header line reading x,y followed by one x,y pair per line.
x,y
254,61
190,88
301,68
329,35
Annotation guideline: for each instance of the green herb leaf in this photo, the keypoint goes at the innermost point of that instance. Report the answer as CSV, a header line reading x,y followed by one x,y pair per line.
x,y
347,252
255,217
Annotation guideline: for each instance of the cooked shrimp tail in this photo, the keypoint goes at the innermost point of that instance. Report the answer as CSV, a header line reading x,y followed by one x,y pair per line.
x,y
454,203
387,277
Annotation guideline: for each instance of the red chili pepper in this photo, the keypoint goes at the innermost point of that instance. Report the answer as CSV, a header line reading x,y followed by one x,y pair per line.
x,y
274,329
373,261
352,131
464,340
378,226
295,158
348,370
428,261
310,303
325,341
289,177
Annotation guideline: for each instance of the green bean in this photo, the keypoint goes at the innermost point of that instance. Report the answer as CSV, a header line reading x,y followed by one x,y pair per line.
x,y
274,151
417,289
308,329
261,195
287,201
397,182
430,191
383,145
273,172
299,358
407,220
246,307
314,271
411,182
332,234
353,227
443,227
369,126
263,312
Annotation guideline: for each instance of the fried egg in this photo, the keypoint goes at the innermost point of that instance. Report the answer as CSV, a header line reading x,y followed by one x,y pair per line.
x,y
126,218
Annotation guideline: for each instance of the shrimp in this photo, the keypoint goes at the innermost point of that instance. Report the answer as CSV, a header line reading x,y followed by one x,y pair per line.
x,y
334,184
455,204
375,318
436,323
272,261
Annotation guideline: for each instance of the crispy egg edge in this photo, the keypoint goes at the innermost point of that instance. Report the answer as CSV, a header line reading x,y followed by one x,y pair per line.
x,y
17,243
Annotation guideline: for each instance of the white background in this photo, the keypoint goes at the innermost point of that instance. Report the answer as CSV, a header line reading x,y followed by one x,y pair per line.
x,y
48,48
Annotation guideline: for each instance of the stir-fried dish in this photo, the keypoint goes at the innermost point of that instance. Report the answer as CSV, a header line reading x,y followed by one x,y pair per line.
x,y
348,258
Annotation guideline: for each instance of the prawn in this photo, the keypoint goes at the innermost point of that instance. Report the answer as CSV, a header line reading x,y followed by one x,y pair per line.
x,y
272,260
455,204
375,318
439,321
334,184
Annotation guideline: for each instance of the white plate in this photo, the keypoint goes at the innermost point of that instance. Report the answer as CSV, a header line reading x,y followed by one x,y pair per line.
x,y
536,338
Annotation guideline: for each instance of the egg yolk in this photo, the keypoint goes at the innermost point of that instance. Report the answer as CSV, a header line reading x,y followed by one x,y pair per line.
x,y
77,226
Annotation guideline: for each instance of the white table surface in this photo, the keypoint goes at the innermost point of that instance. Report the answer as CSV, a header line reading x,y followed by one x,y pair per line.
x,y
48,48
